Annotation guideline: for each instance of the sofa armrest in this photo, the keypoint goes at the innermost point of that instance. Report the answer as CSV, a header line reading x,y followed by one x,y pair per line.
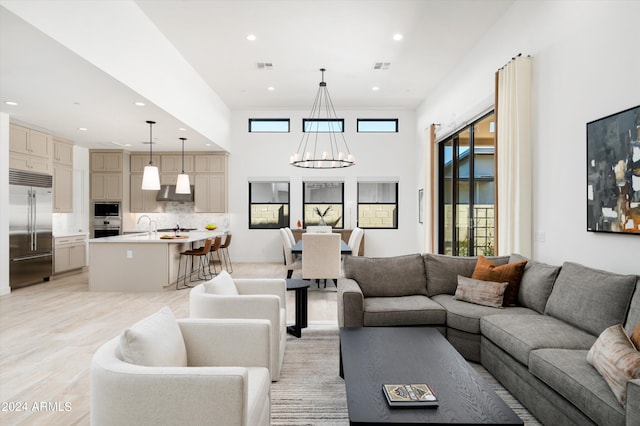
x,y
350,303
226,342
273,286
633,402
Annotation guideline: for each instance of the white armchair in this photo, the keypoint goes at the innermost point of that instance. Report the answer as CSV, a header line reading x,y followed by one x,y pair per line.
x,y
225,380
225,297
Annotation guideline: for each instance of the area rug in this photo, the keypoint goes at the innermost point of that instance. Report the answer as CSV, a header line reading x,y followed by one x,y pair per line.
x,y
310,391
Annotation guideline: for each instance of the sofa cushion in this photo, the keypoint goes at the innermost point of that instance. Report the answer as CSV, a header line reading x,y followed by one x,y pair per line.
x,y
567,372
590,299
155,341
518,335
511,272
466,316
403,310
536,283
486,293
387,276
633,316
442,271
616,359
222,284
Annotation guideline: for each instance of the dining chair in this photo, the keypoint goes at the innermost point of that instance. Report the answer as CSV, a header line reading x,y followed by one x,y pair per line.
x,y
319,229
292,239
291,262
321,257
355,240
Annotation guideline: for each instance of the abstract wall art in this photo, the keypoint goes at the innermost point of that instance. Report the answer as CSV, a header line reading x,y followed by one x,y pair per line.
x,y
613,173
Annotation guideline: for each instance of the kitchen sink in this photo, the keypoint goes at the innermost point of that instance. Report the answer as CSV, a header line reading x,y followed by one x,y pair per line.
x,y
179,230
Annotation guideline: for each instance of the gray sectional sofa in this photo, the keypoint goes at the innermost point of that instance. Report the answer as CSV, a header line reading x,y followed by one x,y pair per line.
x,y
537,350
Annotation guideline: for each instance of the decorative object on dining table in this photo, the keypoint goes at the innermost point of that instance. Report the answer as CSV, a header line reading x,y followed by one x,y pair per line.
x,y
322,215
299,223
324,151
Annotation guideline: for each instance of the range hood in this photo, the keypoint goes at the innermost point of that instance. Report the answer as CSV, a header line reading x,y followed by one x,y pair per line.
x,y
168,193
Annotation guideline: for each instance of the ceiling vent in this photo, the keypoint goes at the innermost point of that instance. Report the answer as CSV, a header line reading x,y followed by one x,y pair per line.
x,y
265,65
383,66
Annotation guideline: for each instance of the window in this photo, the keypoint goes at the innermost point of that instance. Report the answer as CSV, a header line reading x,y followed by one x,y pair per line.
x,y
322,125
378,205
377,125
323,204
268,205
466,168
269,125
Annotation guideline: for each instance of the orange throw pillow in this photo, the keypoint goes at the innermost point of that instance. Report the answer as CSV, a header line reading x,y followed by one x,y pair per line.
x,y
486,270
635,336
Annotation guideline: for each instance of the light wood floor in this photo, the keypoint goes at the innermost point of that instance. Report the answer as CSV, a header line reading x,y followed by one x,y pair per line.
x,y
49,332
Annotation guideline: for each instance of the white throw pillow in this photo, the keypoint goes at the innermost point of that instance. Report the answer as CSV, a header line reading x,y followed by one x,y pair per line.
x,y
156,341
222,284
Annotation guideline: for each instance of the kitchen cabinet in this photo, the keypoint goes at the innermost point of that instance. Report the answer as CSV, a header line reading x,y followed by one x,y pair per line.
x,y
69,253
210,163
62,152
210,193
139,161
106,162
142,201
106,186
171,163
29,150
30,142
62,188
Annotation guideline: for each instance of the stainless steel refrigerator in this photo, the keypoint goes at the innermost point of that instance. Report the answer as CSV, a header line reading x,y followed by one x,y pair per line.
x,y
30,237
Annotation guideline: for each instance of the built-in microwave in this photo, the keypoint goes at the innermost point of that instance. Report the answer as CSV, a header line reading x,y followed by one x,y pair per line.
x,y
106,210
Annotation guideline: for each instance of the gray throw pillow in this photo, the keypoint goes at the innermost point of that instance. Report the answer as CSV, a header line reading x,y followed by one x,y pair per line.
x,y
633,316
443,271
536,284
590,299
387,276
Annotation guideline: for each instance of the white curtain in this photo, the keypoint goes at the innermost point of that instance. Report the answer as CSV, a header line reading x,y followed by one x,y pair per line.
x,y
514,183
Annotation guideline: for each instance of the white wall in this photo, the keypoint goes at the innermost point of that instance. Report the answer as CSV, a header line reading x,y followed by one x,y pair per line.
x,y
4,201
257,155
584,67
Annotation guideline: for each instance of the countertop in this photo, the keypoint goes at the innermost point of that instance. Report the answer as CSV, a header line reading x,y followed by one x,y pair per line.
x,y
69,234
154,238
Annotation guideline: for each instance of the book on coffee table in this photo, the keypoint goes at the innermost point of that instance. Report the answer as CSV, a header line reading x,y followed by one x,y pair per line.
x,y
410,395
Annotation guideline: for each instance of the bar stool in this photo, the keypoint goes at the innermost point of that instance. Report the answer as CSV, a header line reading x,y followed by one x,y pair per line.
x,y
224,249
203,255
217,243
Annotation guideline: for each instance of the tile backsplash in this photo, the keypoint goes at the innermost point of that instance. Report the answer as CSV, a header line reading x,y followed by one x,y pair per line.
x,y
182,214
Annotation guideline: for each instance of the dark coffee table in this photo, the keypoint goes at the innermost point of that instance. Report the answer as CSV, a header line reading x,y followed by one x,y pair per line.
x,y
373,356
300,287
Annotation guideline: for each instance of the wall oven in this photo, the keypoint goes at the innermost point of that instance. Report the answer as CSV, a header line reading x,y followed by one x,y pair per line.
x,y
106,227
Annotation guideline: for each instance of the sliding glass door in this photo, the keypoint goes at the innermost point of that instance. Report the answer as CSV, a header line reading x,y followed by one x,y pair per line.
x,y
466,177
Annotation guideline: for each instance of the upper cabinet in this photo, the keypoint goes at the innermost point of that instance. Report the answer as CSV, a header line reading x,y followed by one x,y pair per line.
x,y
106,162
139,161
173,163
62,151
62,176
211,183
210,163
107,175
30,150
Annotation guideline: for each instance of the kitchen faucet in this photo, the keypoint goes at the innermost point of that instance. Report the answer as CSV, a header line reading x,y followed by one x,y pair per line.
x,y
150,222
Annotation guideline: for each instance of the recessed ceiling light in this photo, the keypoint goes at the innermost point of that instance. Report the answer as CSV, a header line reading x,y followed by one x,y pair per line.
x,y
207,144
251,37
83,129
271,88
375,88
138,103
11,103
182,129
397,37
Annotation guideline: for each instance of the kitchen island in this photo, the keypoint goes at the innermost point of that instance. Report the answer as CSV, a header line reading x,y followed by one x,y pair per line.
x,y
139,262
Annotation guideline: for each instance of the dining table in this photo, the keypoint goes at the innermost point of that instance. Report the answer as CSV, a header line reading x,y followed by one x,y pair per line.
x,y
344,248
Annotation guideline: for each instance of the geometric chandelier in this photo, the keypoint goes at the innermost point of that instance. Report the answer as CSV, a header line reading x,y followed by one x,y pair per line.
x,y
320,147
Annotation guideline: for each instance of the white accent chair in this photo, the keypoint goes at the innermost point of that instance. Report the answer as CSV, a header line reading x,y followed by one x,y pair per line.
x,y
225,297
321,256
290,261
355,239
319,229
205,371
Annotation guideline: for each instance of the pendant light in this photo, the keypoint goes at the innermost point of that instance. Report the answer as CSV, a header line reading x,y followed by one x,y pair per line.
x,y
327,149
182,185
151,177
